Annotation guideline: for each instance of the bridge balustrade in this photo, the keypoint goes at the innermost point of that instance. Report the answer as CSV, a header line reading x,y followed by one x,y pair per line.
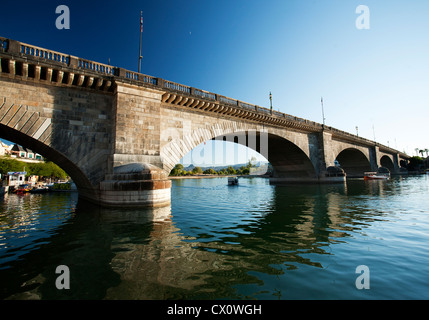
x,y
248,106
97,67
177,87
44,54
3,44
228,101
204,94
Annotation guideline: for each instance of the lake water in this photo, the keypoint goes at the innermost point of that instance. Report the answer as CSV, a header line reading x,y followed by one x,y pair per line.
x,y
251,241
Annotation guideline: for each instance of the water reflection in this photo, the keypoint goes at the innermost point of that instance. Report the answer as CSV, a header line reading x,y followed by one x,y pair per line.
x,y
207,258
250,241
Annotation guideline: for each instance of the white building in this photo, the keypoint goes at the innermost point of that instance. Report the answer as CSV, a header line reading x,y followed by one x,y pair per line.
x,y
16,178
24,154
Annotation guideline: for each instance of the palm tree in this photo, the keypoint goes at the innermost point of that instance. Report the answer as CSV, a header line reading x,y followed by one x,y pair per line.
x,y
426,150
421,152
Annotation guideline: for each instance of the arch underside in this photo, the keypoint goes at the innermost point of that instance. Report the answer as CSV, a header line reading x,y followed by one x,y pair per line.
x,y
387,162
353,162
84,186
289,162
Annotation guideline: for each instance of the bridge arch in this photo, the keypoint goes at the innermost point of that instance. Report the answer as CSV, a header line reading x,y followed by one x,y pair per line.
x,y
78,176
354,162
288,159
387,162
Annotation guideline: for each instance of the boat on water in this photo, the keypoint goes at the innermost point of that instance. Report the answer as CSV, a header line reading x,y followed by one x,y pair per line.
x,y
22,189
374,176
232,181
381,174
41,189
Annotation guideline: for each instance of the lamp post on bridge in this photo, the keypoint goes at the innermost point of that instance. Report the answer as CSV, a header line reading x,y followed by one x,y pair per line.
x,y
323,112
271,103
140,45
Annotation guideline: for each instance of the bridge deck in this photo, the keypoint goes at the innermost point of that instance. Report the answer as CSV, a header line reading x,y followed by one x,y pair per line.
x,y
29,61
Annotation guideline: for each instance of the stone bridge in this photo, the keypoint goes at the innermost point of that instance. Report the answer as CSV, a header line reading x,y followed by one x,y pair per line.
x,y
118,133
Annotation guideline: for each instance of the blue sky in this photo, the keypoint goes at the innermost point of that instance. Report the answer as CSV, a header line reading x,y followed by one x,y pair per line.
x,y
299,50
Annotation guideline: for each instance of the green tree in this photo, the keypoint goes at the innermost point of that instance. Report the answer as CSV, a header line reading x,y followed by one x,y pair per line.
x,y
47,170
209,171
231,170
10,165
56,171
415,163
197,170
177,170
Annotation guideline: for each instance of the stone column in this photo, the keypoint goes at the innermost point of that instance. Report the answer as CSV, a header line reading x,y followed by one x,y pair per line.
x,y
135,176
136,185
374,157
328,172
24,70
37,71
60,76
49,72
12,64
396,163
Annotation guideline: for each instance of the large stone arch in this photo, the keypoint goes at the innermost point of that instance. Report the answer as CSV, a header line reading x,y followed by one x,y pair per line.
x,y
387,162
289,159
78,176
66,126
354,162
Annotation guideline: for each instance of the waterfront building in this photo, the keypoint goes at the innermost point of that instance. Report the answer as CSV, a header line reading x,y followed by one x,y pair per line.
x,y
24,154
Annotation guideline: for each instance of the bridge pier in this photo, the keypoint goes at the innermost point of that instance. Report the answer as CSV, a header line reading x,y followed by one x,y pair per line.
x,y
136,185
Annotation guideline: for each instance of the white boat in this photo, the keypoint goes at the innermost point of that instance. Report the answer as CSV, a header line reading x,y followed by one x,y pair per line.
x,y
382,174
232,181
40,189
376,176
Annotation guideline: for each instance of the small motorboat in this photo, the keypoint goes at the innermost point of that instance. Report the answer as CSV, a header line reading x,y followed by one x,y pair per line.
x,y
374,176
22,189
382,174
40,189
232,181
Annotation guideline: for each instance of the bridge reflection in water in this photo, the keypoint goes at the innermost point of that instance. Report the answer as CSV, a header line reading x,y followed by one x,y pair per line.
x,y
254,241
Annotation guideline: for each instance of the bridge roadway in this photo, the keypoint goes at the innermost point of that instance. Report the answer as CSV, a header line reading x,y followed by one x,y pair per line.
x,y
119,133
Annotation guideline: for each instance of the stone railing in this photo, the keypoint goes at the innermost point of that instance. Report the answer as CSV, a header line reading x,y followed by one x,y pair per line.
x,y
37,52
4,44
16,48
